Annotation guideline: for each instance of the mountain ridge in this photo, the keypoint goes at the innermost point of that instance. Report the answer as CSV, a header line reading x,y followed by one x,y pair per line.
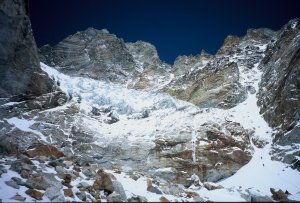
x,y
208,81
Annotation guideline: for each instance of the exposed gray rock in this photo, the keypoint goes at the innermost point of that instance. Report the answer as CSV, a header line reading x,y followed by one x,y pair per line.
x,y
20,71
100,55
169,188
151,69
215,150
104,181
118,188
114,117
12,184
18,181
137,198
84,185
168,175
22,164
212,186
214,81
87,171
91,53
154,189
14,141
60,171
145,54
279,92
42,181
115,197
54,194
279,195
2,170
81,195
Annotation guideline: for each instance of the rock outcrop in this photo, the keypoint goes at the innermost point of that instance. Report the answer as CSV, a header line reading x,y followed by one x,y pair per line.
x,y
92,53
20,71
100,55
279,92
153,73
208,153
218,81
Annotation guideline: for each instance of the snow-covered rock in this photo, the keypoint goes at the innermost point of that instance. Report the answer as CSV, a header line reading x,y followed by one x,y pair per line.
x,y
156,131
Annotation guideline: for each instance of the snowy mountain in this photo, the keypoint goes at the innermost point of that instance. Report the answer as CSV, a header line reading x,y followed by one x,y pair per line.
x,y
119,124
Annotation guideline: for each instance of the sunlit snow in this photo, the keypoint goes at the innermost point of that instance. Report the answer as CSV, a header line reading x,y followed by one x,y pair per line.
x,y
24,125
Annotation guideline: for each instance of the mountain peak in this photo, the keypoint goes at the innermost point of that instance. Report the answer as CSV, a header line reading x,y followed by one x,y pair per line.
x,y
121,125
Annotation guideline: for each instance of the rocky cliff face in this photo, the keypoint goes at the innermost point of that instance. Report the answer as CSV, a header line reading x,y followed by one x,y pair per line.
x,y
100,55
153,73
93,53
218,81
20,71
279,88
279,92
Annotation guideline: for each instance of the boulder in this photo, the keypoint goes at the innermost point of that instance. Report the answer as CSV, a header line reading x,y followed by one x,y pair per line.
x,y
154,189
81,195
104,181
35,194
107,182
279,195
115,197
190,194
67,178
42,181
137,198
20,165
18,181
60,171
212,186
118,189
15,141
12,184
2,170
163,199
68,192
43,150
54,194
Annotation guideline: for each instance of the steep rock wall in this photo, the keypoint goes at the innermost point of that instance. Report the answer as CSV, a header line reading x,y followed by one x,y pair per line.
x,y
20,71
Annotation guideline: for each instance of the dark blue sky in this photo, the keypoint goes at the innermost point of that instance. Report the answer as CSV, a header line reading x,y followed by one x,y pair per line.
x,y
175,27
